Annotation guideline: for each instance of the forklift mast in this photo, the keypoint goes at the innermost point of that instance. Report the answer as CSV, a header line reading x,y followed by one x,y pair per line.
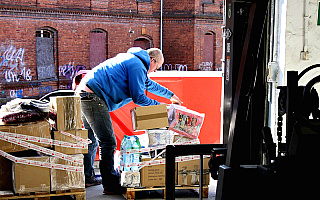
x,y
246,49
245,80
292,174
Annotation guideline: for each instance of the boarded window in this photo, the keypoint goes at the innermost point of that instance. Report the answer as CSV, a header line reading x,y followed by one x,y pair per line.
x,y
45,55
98,49
209,48
209,51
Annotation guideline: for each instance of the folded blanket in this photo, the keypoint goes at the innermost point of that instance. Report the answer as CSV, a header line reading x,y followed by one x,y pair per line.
x,y
22,116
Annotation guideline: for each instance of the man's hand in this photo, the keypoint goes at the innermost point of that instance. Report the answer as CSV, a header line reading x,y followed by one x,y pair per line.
x,y
175,100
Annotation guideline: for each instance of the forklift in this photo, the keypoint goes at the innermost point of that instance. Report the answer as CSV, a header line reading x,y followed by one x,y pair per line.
x,y
249,164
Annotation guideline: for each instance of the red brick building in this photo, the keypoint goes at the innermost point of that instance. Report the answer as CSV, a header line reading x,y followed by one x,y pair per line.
x,y
44,42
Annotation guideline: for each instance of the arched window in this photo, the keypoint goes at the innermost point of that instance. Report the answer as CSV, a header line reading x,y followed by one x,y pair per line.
x,y
143,42
209,49
45,43
98,47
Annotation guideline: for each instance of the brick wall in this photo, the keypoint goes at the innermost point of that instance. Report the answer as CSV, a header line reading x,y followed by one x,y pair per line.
x,y
178,46
72,22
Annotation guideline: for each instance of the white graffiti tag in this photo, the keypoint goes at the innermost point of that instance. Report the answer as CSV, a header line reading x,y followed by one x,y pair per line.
x,y
67,71
13,65
206,66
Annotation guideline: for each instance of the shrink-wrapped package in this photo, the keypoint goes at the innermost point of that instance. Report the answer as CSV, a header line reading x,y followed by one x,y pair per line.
x,y
184,121
66,180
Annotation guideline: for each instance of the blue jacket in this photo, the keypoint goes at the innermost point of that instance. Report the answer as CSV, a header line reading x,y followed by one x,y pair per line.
x,y
123,78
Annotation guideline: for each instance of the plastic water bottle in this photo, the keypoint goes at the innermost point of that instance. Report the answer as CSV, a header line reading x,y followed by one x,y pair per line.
x,y
135,157
127,143
125,158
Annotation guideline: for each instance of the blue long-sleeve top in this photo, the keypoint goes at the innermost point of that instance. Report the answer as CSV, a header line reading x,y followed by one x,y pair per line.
x,y
123,78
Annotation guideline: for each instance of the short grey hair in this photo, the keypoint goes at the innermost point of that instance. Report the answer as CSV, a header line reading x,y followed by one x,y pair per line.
x,y
156,54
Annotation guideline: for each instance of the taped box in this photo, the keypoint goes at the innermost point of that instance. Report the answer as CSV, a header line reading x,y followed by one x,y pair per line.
x,y
154,175
38,129
189,172
149,117
66,180
28,178
68,112
82,133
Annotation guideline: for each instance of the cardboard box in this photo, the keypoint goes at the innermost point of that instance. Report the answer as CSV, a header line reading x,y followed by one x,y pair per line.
x,y
38,129
149,117
154,175
68,111
181,139
5,174
83,133
28,178
189,172
66,180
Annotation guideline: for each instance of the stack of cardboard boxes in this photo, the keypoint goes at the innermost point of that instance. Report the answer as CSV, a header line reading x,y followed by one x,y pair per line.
x,y
26,178
188,124
68,112
16,177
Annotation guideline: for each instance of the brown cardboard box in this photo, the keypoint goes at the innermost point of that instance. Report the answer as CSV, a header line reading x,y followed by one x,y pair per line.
x,y
181,139
154,175
28,178
83,133
149,117
38,129
188,172
66,180
68,110
5,174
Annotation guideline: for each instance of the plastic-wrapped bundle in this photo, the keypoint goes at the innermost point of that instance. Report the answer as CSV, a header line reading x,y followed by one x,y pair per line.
x,y
159,137
127,143
184,121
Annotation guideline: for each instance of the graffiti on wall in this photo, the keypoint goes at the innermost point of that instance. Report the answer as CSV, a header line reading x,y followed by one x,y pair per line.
x,y
16,93
12,64
69,71
209,66
205,66
45,90
175,67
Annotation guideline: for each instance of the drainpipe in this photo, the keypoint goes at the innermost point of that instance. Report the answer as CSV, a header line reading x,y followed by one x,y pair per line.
x,y
161,21
273,68
304,53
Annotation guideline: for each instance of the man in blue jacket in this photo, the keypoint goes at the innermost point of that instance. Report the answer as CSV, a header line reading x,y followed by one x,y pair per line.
x,y
111,85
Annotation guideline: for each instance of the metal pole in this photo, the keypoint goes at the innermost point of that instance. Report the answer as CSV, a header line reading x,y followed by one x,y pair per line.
x,y
170,172
201,177
161,21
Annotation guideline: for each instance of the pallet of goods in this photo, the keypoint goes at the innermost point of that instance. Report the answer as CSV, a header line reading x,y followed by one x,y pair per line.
x,y
42,157
131,192
142,166
77,194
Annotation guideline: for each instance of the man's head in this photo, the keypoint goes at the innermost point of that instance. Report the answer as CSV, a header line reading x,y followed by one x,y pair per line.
x,y
156,58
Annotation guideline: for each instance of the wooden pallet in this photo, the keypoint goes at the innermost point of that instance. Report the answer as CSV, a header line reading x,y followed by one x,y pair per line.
x,y
79,194
131,192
